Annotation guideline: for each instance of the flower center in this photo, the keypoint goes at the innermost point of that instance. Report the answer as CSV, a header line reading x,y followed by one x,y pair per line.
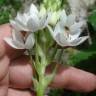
x,y
67,30
24,33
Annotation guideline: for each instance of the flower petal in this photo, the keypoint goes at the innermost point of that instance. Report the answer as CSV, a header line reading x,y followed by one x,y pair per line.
x,y
33,23
73,37
58,29
17,36
20,17
70,20
18,26
33,9
30,41
77,27
63,18
61,40
15,25
45,20
10,42
79,41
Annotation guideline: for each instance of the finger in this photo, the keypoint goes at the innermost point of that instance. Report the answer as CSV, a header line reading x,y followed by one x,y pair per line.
x,y
67,77
75,79
4,86
21,73
14,92
5,31
4,66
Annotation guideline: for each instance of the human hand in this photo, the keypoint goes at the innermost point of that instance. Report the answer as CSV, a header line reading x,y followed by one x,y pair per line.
x,y
16,72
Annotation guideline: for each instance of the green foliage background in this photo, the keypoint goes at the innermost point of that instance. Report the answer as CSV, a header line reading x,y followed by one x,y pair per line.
x,y
83,58
7,9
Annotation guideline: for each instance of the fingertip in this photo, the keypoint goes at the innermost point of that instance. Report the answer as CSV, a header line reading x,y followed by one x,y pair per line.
x,y
15,92
21,73
5,31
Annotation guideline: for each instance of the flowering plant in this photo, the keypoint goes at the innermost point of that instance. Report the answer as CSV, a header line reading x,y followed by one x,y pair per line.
x,y
42,33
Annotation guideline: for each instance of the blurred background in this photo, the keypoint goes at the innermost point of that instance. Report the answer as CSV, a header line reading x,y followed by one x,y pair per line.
x,y
81,57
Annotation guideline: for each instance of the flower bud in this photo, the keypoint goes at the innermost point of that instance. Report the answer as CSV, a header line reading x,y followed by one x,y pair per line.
x,y
54,18
42,11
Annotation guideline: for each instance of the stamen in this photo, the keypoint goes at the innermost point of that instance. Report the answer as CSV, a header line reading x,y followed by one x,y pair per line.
x,y
24,33
67,30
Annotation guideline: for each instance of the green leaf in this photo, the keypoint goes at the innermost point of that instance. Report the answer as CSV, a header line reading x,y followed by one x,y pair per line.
x,y
2,2
35,82
48,79
84,54
4,16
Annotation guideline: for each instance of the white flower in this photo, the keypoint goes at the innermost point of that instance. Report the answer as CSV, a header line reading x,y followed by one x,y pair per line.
x,y
67,31
31,21
19,41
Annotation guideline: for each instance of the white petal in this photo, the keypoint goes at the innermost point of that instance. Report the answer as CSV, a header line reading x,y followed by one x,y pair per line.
x,y
70,20
61,40
78,27
22,20
63,18
79,41
30,41
16,25
22,25
45,20
33,9
19,17
33,24
26,17
17,36
58,29
73,37
42,21
48,18
12,44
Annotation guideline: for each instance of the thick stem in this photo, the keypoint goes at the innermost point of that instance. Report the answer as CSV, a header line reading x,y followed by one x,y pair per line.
x,y
41,87
40,92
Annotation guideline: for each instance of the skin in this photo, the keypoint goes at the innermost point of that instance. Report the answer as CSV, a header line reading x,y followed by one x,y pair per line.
x,y
16,72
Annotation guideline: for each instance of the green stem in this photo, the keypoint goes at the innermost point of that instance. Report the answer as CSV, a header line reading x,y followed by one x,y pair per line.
x,y
41,87
40,92
54,53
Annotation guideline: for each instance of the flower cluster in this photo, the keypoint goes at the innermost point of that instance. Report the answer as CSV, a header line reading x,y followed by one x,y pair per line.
x,y
65,33
24,27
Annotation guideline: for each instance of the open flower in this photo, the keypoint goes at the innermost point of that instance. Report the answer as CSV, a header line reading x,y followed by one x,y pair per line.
x,y
31,21
20,41
67,31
